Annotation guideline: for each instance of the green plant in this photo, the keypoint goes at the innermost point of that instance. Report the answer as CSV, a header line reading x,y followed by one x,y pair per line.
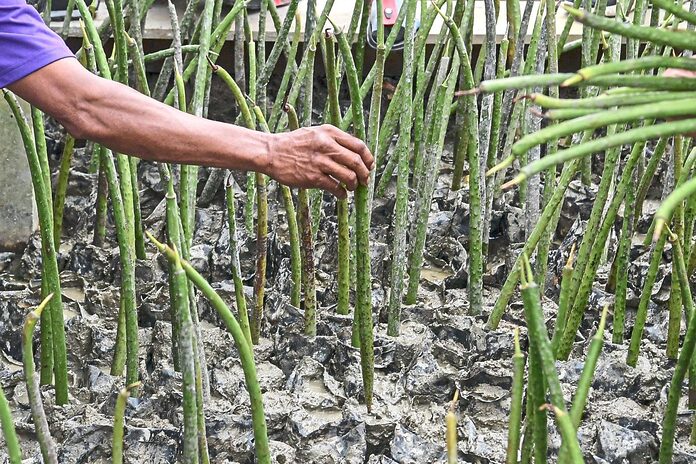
x,y
52,326
245,350
43,433
515,420
119,418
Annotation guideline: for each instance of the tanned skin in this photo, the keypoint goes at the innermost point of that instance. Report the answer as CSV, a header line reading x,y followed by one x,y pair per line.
x,y
126,121
673,72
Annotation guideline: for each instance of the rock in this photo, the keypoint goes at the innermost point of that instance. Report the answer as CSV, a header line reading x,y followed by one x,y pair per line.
x,y
349,448
408,448
281,453
619,445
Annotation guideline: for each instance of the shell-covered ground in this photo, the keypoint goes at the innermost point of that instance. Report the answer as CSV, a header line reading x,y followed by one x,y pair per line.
x,y
312,387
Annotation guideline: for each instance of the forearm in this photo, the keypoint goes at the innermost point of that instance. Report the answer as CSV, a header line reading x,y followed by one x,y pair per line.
x,y
128,122
122,119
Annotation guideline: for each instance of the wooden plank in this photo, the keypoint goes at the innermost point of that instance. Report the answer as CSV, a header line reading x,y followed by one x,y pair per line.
x,y
157,25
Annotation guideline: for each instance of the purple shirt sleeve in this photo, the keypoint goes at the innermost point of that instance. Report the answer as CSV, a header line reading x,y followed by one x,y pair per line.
x,y
26,43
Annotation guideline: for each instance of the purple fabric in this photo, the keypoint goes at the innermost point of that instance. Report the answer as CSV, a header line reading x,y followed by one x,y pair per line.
x,y
26,44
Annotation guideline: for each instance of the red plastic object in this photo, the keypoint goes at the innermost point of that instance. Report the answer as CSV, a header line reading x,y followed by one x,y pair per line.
x,y
390,12
282,2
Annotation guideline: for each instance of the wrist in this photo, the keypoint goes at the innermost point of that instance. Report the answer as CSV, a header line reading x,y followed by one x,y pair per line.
x,y
265,159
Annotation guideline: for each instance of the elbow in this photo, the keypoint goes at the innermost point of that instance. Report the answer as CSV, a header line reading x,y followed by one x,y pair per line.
x,y
79,127
80,122
80,115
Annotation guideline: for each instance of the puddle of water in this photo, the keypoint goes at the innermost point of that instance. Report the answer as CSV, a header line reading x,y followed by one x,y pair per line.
x,y
435,275
74,294
316,386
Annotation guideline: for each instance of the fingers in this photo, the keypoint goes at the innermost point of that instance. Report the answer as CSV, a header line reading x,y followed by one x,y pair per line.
x,y
673,72
341,173
355,145
332,186
354,163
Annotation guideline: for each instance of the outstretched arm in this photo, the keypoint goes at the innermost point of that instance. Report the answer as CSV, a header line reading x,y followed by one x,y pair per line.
x,y
128,122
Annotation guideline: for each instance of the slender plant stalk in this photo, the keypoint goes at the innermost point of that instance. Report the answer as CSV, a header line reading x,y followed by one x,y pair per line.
x,y
403,153
261,253
279,46
683,361
277,110
648,175
486,129
636,136
41,152
589,239
235,264
581,297
657,36
585,382
342,205
515,420
304,222
295,253
540,342
646,294
245,352
564,300
363,305
675,303
100,216
539,420
622,259
431,165
43,433
601,119
186,356
119,419
8,431
569,171
50,274
451,421
168,52
61,189
127,332
475,286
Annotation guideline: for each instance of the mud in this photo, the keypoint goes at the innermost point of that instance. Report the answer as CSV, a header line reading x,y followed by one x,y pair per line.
x,y
312,387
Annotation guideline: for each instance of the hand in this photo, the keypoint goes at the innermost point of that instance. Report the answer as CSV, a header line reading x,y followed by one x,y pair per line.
x,y
320,157
673,72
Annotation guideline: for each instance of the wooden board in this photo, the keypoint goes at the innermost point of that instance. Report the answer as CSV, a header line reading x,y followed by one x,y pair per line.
x,y
158,26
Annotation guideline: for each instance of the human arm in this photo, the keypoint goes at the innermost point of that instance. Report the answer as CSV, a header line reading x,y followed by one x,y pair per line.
x,y
128,122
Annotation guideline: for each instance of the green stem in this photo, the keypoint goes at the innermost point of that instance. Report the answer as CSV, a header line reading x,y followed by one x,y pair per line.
x,y
515,420
43,433
119,419
569,171
363,304
50,274
187,359
61,189
235,264
245,353
583,290
342,205
540,342
685,355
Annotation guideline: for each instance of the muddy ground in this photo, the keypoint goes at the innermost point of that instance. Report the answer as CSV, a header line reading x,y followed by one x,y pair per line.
x,y
312,388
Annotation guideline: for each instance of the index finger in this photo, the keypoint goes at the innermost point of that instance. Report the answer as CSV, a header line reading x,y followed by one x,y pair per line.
x,y
355,145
